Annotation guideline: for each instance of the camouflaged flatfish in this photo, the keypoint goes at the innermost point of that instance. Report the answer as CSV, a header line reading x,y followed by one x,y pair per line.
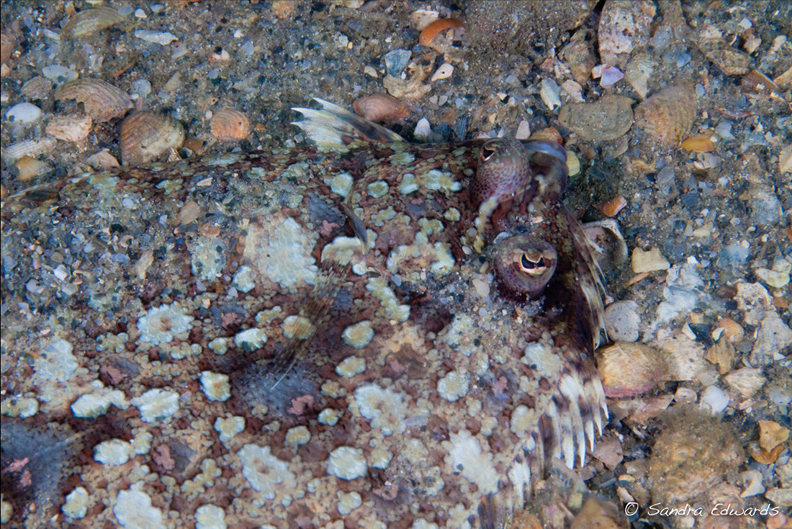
x,y
379,335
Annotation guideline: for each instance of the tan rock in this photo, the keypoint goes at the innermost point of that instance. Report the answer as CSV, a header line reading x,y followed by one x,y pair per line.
x,y
649,261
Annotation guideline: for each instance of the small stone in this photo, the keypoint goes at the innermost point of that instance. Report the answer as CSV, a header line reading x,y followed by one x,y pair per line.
x,y
210,517
59,74
782,497
113,452
24,113
444,71
785,160
549,93
766,209
685,357
714,400
691,455
773,278
722,355
649,261
162,38
609,451
732,330
747,381
396,61
607,119
624,25
774,335
731,62
771,434
523,130
597,514
70,128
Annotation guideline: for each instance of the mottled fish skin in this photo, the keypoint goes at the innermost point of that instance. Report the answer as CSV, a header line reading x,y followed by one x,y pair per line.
x,y
413,389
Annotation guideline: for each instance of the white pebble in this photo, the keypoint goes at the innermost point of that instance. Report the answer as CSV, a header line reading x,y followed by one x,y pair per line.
x,y
24,113
623,322
444,71
159,37
714,400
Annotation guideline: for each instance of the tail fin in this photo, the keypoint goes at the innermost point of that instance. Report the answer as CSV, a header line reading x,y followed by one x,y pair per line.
x,y
335,128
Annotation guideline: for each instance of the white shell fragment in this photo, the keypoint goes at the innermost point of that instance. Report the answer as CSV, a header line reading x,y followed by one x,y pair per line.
x,y
444,71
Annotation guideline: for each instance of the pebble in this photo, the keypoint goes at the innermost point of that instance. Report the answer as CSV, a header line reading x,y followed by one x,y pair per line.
x,y
622,321
607,119
157,37
765,207
785,160
714,400
691,455
624,25
422,129
59,74
444,71
523,131
608,75
597,514
648,261
396,61
24,113
549,93
772,434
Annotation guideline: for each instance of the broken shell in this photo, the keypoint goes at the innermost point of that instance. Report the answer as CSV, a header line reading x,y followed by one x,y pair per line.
x,y
37,88
756,81
771,434
30,148
669,114
90,21
432,30
444,71
230,125
612,207
70,128
629,369
579,58
380,107
731,62
28,168
103,160
698,143
145,136
102,101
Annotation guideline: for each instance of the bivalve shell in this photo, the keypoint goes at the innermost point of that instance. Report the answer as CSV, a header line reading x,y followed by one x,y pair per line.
x,y
30,148
37,88
669,114
7,46
90,21
70,128
380,107
145,136
102,101
230,125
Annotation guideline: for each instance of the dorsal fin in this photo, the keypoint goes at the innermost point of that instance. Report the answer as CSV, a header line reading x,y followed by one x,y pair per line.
x,y
335,128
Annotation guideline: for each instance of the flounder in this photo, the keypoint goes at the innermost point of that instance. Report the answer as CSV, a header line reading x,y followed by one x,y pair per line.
x,y
366,334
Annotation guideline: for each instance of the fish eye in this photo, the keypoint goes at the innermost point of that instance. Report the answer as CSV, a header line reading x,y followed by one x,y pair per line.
x,y
487,152
531,265
525,264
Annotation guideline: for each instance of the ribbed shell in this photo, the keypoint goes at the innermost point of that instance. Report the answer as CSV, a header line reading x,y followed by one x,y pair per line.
x,y
90,21
102,101
230,125
668,115
145,136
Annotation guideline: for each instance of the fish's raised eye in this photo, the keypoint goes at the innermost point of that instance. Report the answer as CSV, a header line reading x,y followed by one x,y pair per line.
x,y
525,265
530,264
487,152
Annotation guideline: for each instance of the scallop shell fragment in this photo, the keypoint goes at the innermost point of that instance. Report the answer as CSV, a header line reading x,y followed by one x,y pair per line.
x,y
230,125
380,107
90,21
102,101
145,136
669,114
